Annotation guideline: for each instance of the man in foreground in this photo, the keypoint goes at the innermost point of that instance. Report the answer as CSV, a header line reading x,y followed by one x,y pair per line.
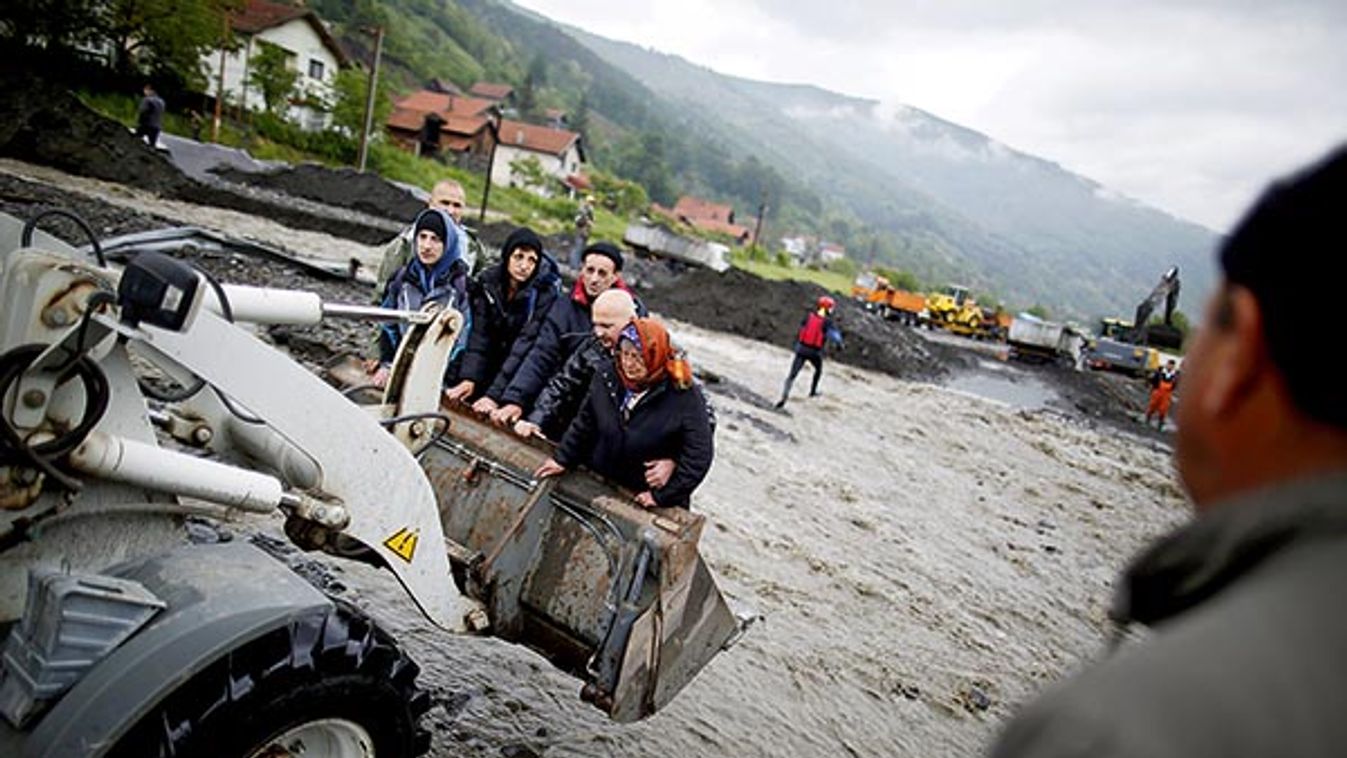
x,y
1249,653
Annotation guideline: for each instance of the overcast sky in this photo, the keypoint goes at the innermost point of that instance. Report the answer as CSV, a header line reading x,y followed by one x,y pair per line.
x,y
1187,105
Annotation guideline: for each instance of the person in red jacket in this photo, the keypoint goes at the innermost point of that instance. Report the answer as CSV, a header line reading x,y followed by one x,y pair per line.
x,y
816,330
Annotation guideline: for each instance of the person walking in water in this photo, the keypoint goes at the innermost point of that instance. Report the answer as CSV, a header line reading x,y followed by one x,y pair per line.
x,y
1163,383
816,331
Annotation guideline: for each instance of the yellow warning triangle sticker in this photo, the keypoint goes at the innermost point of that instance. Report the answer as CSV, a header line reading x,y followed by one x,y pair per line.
x,y
403,543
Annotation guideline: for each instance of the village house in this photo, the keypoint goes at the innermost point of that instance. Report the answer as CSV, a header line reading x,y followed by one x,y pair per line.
x,y
710,217
458,124
498,93
559,152
311,50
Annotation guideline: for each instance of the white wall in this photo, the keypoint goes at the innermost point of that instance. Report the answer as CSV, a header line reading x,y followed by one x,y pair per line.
x,y
559,166
295,36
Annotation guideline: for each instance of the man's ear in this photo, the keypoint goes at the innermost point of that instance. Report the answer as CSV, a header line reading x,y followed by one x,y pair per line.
x,y
1240,356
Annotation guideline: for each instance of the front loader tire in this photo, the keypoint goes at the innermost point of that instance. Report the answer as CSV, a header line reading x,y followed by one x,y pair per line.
x,y
333,681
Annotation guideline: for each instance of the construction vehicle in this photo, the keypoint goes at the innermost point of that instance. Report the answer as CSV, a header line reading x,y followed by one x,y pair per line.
x,y
1036,340
662,242
1132,347
879,296
134,396
955,310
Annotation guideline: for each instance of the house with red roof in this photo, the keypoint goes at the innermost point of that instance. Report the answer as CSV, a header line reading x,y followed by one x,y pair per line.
x,y
560,153
500,93
710,217
460,124
310,49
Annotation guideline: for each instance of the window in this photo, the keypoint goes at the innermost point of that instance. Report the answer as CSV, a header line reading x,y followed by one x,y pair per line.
x,y
315,69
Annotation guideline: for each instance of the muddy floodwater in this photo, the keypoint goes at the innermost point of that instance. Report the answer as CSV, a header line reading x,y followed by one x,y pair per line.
x,y
922,558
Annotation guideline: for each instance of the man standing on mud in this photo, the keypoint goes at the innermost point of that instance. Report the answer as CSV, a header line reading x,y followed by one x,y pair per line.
x,y
150,116
1163,383
447,195
816,330
1249,653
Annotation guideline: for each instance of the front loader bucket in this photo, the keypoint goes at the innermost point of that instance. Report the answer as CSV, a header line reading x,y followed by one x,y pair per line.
x,y
610,592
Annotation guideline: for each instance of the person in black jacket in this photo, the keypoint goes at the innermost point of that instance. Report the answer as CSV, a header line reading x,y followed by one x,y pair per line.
x,y
566,325
560,400
506,298
639,409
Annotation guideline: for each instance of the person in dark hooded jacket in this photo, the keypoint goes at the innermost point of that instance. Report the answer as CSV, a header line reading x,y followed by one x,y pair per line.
x,y
437,274
506,299
640,408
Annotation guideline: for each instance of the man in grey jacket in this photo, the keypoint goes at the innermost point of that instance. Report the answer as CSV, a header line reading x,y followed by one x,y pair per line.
x,y
1249,651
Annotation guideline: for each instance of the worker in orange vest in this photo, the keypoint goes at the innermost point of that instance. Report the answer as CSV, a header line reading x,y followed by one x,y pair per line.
x,y
816,330
1163,382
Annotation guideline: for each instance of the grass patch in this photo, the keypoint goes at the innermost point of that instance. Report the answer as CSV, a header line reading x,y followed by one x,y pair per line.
x,y
829,280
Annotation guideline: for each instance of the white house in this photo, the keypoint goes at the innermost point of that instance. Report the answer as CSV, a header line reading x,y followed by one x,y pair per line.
x,y
312,51
559,152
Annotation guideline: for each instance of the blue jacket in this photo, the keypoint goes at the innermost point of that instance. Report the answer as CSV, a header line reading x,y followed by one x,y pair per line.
x,y
415,285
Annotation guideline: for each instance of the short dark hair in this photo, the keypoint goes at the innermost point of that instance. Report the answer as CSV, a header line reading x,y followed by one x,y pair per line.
x,y
1294,236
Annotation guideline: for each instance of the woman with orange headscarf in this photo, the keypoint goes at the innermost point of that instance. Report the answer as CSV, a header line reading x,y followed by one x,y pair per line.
x,y
642,408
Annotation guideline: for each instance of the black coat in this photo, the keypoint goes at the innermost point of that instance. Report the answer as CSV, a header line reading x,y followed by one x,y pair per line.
x,y
539,357
560,400
498,320
666,423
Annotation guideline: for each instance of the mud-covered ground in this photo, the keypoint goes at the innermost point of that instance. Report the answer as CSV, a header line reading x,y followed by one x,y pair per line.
x,y
924,557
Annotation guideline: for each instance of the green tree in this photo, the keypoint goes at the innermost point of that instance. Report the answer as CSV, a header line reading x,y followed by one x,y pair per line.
x,y
272,75
169,37
529,172
1038,310
580,120
534,80
56,26
348,112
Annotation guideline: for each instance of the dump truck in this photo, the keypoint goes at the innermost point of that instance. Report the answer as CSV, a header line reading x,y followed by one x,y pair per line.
x,y
134,396
1036,340
879,296
663,242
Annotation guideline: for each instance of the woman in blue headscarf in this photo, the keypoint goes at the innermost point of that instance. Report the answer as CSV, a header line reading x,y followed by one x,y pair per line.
x,y
437,274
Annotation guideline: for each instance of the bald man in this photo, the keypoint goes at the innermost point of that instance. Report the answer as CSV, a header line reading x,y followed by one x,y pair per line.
x,y
447,195
560,399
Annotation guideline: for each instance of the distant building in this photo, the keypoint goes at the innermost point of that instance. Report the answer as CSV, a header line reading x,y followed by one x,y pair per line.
x,y
560,153
831,251
428,122
499,93
798,248
711,217
555,118
311,50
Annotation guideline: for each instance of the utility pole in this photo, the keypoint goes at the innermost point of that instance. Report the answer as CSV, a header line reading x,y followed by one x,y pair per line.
x,y
369,96
219,87
762,211
494,124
